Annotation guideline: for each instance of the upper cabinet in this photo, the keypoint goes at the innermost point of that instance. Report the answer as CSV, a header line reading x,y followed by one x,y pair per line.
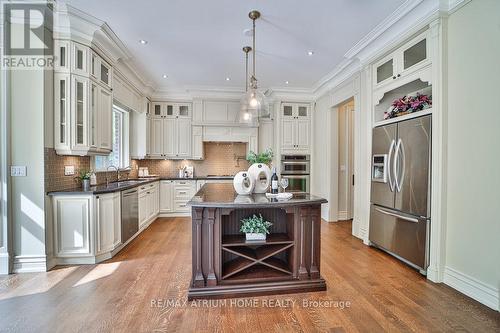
x,y
171,110
295,128
407,59
170,131
83,101
216,113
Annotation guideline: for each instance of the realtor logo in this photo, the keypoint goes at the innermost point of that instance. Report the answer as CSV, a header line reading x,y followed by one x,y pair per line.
x,y
27,35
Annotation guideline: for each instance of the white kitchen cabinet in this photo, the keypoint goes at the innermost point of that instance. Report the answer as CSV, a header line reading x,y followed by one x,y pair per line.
x,y
197,143
407,59
143,209
156,137
266,135
83,101
166,196
108,222
170,133
215,113
295,128
148,204
80,62
72,226
139,132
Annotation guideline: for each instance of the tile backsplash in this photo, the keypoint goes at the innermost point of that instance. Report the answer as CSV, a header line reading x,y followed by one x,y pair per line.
x,y
221,158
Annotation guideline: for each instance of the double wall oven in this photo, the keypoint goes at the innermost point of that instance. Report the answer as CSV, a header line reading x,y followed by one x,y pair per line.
x,y
296,169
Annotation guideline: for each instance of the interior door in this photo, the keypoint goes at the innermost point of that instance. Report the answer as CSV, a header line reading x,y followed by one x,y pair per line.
x,y
412,157
383,142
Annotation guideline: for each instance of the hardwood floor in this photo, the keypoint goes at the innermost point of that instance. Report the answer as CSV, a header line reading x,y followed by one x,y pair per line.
x,y
124,294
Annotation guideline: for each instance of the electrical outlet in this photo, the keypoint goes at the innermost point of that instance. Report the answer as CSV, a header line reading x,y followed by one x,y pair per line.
x,y
18,170
69,170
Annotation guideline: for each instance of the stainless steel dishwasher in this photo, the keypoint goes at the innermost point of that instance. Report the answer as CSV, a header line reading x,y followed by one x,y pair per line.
x,y
130,213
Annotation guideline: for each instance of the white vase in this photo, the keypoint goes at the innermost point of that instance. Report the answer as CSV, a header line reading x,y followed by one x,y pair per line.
x,y
243,183
261,174
255,237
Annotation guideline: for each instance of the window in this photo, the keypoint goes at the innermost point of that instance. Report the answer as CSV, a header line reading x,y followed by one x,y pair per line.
x,y
119,157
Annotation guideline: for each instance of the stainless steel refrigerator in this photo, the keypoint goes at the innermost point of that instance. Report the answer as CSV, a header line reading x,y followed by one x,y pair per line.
x,y
400,190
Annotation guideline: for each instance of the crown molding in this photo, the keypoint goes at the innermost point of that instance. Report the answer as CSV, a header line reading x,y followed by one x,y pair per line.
x,y
389,21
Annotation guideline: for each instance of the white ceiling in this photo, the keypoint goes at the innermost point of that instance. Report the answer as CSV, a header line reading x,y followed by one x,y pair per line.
x,y
198,42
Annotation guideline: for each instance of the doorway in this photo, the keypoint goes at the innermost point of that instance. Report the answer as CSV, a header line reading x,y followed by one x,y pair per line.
x,y
345,173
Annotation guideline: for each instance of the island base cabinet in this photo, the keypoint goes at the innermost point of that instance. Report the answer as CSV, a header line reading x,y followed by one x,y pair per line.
x,y
226,265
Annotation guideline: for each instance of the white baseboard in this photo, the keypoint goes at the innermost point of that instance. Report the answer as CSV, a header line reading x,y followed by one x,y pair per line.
x,y
472,287
30,264
4,263
342,216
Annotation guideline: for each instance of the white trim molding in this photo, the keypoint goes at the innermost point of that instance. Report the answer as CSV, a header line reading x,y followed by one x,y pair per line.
x,y
472,287
30,264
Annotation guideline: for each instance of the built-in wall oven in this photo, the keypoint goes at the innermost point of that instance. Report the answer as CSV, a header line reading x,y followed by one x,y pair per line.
x,y
296,169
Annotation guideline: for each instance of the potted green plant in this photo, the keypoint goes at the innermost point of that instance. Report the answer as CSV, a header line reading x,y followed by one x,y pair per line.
x,y
255,227
84,177
259,169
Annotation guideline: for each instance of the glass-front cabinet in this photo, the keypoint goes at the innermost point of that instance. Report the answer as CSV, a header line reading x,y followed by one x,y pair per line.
x,y
83,100
295,128
407,59
79,110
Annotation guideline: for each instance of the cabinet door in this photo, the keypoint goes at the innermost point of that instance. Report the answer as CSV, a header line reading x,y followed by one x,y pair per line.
x,y
62,55
143,209
266,135
302,134
166,196
80,59
156,137
106,117
169,138
105,73
170,111
157,110
287,111
94,115
72,217
62,111
384,70
183,138
288,134
105,214
414,55
117,229
79,111
183,110
197,144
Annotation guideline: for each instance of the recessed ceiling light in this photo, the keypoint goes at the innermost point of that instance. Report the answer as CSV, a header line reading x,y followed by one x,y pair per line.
x,y
228,79
286,82
310,53
143,42
164,76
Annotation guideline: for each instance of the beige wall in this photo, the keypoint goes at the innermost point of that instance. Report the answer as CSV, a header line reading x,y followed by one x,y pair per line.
x,y
473,213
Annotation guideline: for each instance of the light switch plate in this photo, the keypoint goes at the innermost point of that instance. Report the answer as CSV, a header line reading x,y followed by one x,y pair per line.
x,y
18,170
69,170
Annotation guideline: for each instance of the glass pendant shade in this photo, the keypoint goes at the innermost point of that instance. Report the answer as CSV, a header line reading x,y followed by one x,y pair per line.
x,y
257,102
248,115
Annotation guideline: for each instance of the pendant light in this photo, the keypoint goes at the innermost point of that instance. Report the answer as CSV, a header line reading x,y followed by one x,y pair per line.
x,y
254,99
248,115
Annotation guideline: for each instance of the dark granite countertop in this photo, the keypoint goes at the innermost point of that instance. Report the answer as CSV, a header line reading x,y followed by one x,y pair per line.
x,y
128,184
224,196
112,187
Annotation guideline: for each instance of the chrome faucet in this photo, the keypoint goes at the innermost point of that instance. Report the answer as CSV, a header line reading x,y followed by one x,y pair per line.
x,y
117,174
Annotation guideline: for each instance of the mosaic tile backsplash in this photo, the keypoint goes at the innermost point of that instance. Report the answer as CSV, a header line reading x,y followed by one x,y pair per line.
x,y
220,159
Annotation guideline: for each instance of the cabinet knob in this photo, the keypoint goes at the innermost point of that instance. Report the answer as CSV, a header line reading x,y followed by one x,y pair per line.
x,y
393,77
399,75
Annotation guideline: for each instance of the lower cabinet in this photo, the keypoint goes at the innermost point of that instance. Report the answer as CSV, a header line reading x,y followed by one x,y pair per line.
x,y
175,194
148,204
108,222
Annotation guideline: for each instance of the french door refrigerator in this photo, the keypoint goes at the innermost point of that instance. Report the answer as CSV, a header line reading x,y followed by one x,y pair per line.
x,y
400,190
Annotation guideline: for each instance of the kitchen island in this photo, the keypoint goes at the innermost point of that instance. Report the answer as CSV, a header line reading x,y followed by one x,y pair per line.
x,y
224,264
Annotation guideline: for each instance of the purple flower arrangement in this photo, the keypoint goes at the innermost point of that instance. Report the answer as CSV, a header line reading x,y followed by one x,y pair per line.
x,y
408,104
